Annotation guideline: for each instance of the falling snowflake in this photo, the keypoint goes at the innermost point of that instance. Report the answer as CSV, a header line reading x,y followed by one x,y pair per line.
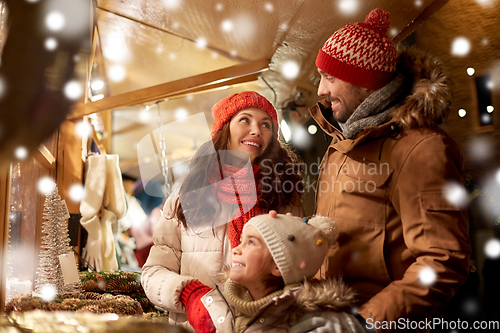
x,y
55,21
460,47
290,70
455,194
269,7
348,7
227,25
116,73
21,153
76,192
73,90
492,248
83,129
427,276
201,43
48,292
171,4
46,185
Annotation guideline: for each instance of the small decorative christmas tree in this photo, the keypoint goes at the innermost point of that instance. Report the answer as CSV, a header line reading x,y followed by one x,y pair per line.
x,y
54,243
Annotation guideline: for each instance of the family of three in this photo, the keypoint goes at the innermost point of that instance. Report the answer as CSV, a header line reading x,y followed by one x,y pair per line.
x,y
357,263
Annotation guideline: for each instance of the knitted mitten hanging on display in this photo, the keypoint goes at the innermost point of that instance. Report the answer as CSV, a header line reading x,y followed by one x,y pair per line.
x,y
109,257
95,182
114,195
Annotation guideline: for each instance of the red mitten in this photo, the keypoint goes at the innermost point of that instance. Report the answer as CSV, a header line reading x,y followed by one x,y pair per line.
x,y
196,312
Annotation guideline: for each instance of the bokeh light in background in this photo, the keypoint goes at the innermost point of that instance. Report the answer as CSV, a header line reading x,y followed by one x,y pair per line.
x,y
427,276
50,43
490,108
460,47
418,3
219,7
492,248
55,21
301,138
312,129
76,192
471,71
290,70
285,130
97,85
462,113
21,153
46,185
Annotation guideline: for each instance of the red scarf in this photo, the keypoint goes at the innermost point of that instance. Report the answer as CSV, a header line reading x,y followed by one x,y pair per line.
x,y
238,187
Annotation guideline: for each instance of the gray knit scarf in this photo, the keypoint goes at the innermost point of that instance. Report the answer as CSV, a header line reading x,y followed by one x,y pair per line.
x,y
373,110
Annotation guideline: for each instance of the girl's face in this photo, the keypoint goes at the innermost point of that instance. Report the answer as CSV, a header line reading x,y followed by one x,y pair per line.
x,y
250,131
252,262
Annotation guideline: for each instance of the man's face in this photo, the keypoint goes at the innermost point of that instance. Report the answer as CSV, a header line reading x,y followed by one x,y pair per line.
x,y
344,97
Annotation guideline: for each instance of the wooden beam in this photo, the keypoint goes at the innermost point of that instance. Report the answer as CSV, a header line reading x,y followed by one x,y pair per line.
x,y
45,157
168,89
5,173
420,19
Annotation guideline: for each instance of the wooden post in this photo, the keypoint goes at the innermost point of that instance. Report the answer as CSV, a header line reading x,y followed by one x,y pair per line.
x,y
4,230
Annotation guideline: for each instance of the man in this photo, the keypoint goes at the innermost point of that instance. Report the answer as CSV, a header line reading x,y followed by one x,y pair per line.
x,y
403,240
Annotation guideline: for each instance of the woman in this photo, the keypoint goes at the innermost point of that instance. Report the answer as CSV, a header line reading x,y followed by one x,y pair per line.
x,y
231,179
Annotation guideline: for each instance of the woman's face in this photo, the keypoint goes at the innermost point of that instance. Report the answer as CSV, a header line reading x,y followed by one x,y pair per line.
x,y
250,131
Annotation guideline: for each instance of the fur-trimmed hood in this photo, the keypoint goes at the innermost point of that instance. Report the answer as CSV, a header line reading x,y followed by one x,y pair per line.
x,y
310,296
429,97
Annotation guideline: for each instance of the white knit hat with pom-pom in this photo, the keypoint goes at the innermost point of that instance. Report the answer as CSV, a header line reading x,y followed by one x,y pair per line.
x,y
297,245
361,53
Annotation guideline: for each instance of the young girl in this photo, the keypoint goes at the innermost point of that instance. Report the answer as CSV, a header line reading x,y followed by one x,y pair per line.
x,y
230,179
268,287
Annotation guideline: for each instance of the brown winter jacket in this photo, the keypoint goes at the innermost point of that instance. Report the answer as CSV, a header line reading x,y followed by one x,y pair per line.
x,y
386,189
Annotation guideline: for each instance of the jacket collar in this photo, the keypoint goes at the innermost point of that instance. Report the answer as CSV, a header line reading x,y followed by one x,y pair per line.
x,y
338,141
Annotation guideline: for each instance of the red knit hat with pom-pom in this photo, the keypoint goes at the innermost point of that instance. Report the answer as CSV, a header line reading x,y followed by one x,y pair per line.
x,y
227,107
361,53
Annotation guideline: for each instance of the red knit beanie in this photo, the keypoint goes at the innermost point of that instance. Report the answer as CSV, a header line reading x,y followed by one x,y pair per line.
x,y
229,106
361,53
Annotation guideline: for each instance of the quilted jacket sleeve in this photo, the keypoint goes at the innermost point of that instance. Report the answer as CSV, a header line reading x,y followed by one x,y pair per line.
x,y
435,230
161,277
